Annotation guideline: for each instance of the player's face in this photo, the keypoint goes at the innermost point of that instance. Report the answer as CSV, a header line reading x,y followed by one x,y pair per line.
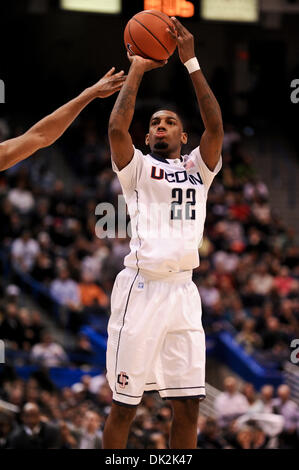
x,y
166,134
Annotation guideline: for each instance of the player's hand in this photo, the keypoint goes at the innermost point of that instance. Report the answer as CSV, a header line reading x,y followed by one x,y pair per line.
x,y
110,83
184,39
145,64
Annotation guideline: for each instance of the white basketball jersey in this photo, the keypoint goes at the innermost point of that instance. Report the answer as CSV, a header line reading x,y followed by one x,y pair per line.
x,y
166,201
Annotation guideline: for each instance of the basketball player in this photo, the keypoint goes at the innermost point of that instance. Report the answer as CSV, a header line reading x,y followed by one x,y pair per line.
x,y
155,335
49,129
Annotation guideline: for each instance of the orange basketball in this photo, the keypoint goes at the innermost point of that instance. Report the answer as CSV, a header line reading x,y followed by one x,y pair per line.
x,y
146,35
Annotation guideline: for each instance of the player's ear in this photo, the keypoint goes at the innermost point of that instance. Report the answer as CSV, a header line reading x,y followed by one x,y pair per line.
x,y
184,138
147,139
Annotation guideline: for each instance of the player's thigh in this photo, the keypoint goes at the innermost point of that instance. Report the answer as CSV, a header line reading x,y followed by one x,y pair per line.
x,y
136,333
183,355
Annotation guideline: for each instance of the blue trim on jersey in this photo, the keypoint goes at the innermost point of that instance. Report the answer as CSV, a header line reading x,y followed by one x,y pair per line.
x,y
161,159
201,397
119,403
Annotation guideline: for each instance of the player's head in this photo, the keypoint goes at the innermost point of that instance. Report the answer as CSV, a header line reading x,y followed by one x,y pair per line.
x,y
166,133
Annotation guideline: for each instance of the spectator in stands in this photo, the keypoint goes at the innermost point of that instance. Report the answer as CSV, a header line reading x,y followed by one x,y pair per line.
x,y
156,440
230,404
284,282
6,428
287,408
249,270
21,198
91,295
261,280
91,436
209,436
272,335
29,337
209,293
34,433
48,353
243,438
65,290
249,392
43,270
247,337
68,439
10,327
24,251
264,404
251,436
83,352
12,292
261,211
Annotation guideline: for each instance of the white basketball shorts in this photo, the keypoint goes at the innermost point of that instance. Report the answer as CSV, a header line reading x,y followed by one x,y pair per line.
x,y
156,340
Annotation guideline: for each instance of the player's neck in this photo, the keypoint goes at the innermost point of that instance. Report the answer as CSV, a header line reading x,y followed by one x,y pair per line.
x,y
166,155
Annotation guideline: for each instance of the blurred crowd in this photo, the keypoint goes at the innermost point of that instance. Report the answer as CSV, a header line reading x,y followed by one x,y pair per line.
x,y
35,414
248,280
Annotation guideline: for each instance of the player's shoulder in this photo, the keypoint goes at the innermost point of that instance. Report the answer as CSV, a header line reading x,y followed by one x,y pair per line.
x,y
190,159
139,153
146,157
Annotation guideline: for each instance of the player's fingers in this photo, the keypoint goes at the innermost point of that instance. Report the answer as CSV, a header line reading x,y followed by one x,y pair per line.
x,y
161,63
119,80
110,72
179,27
172,33
119,74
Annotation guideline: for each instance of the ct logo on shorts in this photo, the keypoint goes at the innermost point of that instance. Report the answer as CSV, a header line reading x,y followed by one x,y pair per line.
x,y
122,379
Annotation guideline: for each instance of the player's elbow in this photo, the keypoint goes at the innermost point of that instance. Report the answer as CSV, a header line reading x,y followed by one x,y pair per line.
x,y
216,132
115,131
37,139
43,140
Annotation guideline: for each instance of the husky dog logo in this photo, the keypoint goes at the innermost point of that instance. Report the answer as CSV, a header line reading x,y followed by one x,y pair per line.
x,y
122,379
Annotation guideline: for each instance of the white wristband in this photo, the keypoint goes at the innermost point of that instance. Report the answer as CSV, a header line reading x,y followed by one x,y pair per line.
x,y
192,65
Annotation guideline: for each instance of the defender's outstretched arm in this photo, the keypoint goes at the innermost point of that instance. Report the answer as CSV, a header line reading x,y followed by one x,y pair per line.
x,y
49,129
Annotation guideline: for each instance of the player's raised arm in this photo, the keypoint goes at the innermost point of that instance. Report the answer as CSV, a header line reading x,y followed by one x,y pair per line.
x,y
49,129
211,140
123,111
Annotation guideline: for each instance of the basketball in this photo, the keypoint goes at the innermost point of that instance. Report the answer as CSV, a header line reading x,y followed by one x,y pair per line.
x,y
146,35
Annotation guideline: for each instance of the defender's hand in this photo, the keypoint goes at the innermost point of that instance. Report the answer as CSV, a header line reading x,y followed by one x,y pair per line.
x,y
184,39
145,64
110,83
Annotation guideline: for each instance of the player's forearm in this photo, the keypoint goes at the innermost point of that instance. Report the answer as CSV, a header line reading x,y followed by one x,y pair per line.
x,y
123,110
53,126
43,133
208,104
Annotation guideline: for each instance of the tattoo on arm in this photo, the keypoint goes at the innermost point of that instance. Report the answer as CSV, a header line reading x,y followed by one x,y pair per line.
x,y
125,103
210,110
208,105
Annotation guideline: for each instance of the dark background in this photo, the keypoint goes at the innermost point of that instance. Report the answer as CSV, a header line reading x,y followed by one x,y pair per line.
x,y
48,58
